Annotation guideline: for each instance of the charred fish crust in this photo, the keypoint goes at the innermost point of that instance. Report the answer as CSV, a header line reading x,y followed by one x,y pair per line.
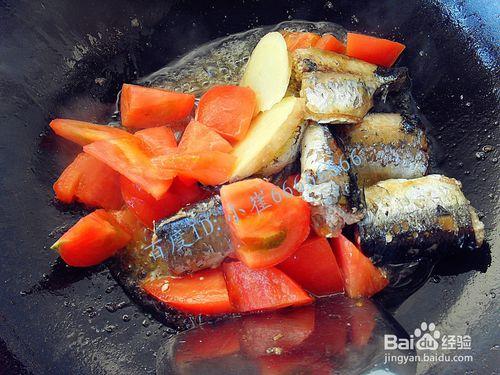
x,y
394,79
324,184
409,218
194,239
388,145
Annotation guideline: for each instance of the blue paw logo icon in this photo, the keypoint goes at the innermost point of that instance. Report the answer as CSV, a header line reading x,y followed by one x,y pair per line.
x,y
427,337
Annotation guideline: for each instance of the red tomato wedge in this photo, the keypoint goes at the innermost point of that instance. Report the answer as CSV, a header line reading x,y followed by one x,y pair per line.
x,y
361,277
209,168
84,133
93,239
129,221
374,50
314,267
270,289
296,40
329,43
146,107
91,182
203,292
149,209
228,110
160,140
267,224
131,158
200,138
209,341
286,330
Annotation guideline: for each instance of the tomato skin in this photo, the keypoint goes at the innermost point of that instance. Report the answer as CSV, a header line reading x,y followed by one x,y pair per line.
x,y
329,43
132,158
203,292
200,138
314,267
91,182
264,238
361,277
378,51
146,107
269,289
93,239
83,133
259,332
228,110
149,209
160,140
297,40
209,168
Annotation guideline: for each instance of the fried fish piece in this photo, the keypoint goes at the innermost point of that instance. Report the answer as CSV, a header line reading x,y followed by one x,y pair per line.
x,y
195,238
404,216
388,146
324,184
339,89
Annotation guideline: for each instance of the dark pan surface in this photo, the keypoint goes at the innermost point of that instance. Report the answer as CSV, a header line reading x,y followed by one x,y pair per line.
x,y
53,56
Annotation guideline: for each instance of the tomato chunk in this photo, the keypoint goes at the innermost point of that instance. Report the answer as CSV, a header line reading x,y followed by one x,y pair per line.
x,y
228,110
199,138
270,289
129,222
284,329
131,158
160,140
361,277
93,239
84,133
209,168
297,40
146,107
267,224
314,267
91,182
329,43
203,292
362,322
374,50
149,209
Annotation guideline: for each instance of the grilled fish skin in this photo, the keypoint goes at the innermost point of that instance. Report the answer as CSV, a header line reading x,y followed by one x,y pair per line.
x,y
339,89
325,185
405,217
195,238
389,147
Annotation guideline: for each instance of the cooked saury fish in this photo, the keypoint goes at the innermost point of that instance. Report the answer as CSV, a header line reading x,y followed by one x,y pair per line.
x,y
323,182
404,216
388,146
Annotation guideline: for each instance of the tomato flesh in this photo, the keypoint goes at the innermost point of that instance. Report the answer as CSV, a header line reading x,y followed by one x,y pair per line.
x,y
160,140
91,182
228,110
297,40
203,292
131,158
209,168
269,289
329,43
93,239
267,224
361,277
199,138
374,50
148,209
146,107
83,133
314,267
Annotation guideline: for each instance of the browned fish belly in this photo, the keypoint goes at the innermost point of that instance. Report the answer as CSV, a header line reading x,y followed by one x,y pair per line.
x,y
388,147
404,216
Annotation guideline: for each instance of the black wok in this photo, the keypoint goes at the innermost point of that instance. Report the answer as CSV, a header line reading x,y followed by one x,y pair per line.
x,y
69,58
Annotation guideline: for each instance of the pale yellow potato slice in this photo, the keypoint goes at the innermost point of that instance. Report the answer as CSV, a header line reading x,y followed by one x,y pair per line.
x,y
269,133
268,71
